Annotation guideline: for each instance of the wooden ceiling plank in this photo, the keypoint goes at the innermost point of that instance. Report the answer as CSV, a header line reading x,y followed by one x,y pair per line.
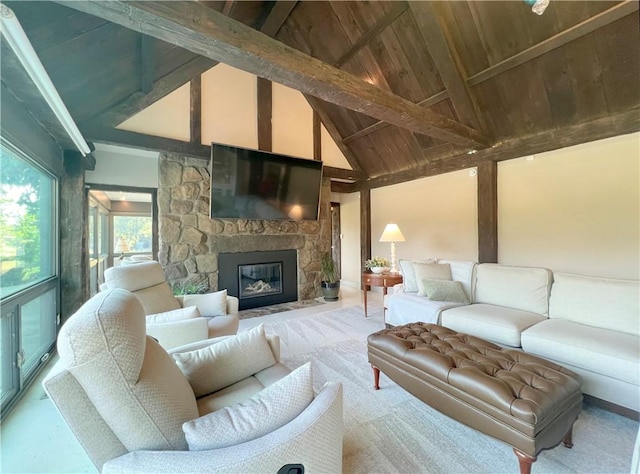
x,y
605,127
221,38
277,16
588,26
398,9
447,61
167,84
147,63
428,102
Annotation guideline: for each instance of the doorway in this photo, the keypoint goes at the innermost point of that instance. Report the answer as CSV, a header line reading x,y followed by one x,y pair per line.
x,y
336,235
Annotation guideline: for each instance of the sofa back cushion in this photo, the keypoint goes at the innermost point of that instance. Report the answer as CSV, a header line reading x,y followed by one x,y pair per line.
x,y
131,381
599,302
464,272
524,288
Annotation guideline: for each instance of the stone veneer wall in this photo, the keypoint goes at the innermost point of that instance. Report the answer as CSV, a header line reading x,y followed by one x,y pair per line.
x,y
190,241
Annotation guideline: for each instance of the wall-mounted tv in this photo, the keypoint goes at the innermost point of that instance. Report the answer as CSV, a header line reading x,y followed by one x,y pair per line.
x,y
251,184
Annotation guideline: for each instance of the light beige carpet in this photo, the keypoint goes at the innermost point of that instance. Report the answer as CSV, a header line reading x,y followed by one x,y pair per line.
x,y
391,431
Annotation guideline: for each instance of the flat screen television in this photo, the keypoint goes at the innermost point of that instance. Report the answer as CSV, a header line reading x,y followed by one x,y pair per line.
x,y
251,184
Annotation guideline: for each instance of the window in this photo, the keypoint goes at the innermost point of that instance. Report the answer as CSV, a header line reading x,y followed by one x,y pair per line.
x,y
29,285
132,234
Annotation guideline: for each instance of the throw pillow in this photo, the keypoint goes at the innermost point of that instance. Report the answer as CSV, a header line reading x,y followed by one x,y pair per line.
x,y
445,290
409,275
273,407
174,315
209,304
223,363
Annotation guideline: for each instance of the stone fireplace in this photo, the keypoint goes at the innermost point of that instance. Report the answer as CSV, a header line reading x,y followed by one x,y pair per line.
x,y
191,242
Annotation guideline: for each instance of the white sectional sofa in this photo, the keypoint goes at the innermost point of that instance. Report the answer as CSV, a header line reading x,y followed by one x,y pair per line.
x,y
589,325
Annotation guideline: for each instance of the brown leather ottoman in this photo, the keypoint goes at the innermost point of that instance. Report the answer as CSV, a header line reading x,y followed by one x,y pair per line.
x,y
523,400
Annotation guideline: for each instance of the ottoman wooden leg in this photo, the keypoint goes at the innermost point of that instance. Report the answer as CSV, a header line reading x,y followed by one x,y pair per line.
x,y
376,377
568,438
525,461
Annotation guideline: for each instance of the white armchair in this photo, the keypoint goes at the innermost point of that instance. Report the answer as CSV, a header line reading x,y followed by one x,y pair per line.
x,y
135,407
172,320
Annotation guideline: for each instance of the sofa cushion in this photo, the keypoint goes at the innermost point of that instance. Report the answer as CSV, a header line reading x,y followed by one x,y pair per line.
x,y
599,302
409,274
406,308
263,413
174,315
209,304
523,288
221,364
463,271
128,377
444,290
611,353
494,323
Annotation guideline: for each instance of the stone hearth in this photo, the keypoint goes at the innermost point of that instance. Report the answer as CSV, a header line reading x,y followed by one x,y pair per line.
x,y
190,240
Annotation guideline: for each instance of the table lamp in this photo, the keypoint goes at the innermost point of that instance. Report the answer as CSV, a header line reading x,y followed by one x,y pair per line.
x,y
392,234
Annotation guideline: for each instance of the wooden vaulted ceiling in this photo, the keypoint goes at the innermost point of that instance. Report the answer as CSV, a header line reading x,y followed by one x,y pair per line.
x,y
406,89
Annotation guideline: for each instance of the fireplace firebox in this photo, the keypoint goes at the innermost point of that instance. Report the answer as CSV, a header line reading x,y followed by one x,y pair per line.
x,y
259,278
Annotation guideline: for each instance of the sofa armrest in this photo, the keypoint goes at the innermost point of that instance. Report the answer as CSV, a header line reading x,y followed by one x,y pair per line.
x,y
232,305
178,333
313,439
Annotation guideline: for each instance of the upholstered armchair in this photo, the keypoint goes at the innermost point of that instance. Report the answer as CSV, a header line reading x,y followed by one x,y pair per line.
x,y
175,321
223,405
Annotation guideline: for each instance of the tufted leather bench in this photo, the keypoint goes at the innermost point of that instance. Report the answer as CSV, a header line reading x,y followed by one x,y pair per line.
x,y
518,398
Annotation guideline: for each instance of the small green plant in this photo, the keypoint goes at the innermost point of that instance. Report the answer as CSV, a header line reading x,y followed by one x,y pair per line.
x,y
190,287
329,269
376,262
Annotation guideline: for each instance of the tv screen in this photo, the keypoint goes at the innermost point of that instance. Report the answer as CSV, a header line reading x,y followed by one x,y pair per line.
x,y
251,184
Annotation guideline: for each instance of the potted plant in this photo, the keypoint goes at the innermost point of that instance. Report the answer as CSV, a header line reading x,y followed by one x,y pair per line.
x,y
377,264
330,278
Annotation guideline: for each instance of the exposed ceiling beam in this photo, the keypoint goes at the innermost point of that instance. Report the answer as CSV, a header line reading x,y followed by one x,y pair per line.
x,y
341,173
609,126
206,32
114,136
139,101
448,64
277,16
588,26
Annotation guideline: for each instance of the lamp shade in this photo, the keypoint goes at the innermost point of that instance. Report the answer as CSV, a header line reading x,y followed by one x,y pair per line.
x,y
392,233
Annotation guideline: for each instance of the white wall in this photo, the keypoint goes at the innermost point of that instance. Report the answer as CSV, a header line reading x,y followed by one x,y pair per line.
x,y
169,117
350,242
331,154
292,123
229,107
437,216
124,167
573,210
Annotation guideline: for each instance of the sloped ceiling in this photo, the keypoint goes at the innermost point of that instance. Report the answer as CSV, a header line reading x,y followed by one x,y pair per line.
x,y
406,89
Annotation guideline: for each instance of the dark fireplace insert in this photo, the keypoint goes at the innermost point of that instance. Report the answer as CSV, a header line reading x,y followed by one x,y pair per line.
x,y
259,278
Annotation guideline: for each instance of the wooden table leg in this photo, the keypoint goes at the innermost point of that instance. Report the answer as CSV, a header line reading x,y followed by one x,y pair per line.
x,y
376,377
364,295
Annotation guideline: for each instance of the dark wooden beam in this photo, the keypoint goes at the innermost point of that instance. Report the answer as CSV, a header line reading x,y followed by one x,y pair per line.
x,y
206,32
487,212
365,226
438,41
428,102
113,136
341,173
228,7
265,107
344,188
161,87
277,16
588,26
397,9
196,109
317,106
317,137
147,63
605,127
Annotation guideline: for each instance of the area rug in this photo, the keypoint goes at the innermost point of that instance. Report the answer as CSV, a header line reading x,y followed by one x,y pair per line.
x,y
277,308
389,430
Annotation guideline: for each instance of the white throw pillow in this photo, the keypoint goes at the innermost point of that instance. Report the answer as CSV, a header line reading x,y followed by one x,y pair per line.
x,y
273,407
209,304
174,315
226,362
409,275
